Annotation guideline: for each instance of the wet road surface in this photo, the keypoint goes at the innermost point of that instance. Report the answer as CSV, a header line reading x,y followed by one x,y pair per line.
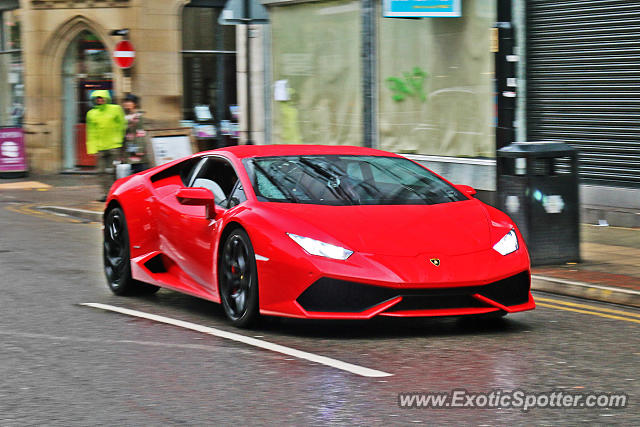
x,y
63,363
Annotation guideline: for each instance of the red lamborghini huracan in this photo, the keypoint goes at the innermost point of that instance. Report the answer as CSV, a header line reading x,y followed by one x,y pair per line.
x,y
327,232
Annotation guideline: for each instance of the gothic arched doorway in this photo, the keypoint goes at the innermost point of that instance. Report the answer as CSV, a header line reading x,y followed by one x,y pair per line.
x,y
86,67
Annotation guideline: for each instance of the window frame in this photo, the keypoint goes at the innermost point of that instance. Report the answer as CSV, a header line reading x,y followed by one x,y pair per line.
x,y
205,53
5,52
250,163
195,174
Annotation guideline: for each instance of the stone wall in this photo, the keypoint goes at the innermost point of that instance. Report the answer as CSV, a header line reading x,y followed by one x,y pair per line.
x,y
48,28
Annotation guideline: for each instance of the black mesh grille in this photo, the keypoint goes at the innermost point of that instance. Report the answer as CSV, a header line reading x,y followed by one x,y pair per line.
x,y
338,295
513,290
436,302
331,295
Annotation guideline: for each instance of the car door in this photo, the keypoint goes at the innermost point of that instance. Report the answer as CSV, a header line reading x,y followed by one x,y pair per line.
x,y
181,226
192,235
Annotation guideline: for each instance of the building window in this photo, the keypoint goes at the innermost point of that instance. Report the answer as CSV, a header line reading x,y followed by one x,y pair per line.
x,y
316,60
11,70
435,84
209,73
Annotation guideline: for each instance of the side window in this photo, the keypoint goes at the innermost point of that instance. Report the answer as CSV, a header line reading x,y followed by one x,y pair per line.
x,y
237,196
189,171
218,176
169,180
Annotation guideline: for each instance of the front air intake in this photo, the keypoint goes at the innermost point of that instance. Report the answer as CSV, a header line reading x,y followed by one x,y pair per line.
x,y
513,290
332,295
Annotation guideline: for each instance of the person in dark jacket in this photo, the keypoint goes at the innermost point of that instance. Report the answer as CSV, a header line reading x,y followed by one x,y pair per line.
x,y
134,148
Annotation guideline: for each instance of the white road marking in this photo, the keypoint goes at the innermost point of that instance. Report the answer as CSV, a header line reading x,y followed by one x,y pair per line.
x,y
323,360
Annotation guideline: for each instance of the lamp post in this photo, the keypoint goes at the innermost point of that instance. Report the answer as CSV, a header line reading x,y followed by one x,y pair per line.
x,y
246,18
369,72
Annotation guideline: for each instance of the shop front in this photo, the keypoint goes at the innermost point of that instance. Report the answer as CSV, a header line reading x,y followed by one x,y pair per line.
x,y
183,72
316,63
435,83
209,101
583,76
432,79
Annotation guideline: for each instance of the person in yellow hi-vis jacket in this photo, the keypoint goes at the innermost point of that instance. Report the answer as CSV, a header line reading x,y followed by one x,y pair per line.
x,y
105,132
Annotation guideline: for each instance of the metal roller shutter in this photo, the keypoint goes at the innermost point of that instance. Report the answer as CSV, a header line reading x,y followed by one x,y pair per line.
x,y
583,83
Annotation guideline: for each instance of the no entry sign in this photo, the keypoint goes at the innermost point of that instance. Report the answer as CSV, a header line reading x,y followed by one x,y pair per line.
x,y
124,54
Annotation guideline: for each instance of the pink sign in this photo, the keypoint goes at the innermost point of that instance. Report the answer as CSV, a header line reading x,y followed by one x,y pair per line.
x,y
12,156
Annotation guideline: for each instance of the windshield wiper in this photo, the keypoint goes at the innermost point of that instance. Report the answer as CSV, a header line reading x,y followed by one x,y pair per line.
x,y
334,183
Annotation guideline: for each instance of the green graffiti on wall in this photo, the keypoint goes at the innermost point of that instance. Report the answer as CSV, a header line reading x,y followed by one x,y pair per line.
x,y
409,85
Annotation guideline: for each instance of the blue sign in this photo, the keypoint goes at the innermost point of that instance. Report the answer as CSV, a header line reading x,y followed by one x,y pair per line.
x,y
422,8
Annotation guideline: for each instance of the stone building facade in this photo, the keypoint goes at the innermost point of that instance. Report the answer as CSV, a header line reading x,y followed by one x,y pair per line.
x,y
67,48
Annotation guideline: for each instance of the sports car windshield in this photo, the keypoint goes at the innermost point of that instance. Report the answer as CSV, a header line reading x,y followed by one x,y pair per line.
x,y
347,180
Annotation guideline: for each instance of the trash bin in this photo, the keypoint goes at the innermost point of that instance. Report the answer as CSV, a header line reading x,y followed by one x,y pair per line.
x,y
538,189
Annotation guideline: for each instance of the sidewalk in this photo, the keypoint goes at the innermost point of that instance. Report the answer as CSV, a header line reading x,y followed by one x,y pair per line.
x,y
609,271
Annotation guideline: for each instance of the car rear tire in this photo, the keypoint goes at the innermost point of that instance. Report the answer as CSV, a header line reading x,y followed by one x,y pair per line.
x,y
117,258
238,279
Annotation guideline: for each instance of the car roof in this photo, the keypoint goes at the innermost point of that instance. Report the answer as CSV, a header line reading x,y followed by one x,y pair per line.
x,y
246,151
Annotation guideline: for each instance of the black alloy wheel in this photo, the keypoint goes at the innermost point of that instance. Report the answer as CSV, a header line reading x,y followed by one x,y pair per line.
x,y
238,279
116,256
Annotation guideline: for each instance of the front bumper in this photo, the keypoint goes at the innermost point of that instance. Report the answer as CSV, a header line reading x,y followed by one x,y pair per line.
x,y
368,285
327,296
337,298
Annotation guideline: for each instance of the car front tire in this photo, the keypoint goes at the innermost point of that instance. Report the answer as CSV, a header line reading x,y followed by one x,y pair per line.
x,y
238,279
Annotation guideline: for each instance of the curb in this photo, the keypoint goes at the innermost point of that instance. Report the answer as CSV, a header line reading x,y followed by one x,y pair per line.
x,y
74,212
585,290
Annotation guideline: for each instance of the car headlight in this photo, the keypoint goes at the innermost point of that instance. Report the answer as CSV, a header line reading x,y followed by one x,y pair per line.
x,y
508,244
316,247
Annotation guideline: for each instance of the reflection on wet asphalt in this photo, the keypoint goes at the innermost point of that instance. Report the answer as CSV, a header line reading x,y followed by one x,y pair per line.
x,y
538,351
65,364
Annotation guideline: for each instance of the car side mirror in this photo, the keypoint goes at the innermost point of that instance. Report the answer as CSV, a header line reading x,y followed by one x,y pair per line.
x,y
198,197
468,190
